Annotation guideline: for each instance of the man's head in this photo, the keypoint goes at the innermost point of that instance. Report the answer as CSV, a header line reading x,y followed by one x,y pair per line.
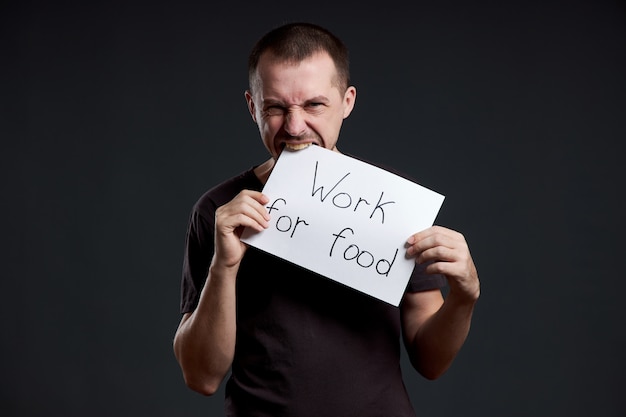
x,y
293,43
299,87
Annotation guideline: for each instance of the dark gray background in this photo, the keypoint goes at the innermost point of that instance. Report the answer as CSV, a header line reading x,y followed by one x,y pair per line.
x,y
116,116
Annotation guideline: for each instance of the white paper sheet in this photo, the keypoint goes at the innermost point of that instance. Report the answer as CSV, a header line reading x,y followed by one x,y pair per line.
x,y
344,219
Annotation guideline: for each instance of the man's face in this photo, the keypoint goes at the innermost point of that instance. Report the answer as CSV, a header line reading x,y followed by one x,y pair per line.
x,y
298,104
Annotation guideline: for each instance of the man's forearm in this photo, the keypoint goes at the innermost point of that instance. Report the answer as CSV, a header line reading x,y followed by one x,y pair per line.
x,y
438,341
204,344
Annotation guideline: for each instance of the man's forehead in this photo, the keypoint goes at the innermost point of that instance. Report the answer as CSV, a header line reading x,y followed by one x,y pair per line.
x,y
272,72
269,61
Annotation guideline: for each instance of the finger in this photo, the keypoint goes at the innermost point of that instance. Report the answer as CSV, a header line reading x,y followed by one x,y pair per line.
x,y
252,221
427,232
435,231
245,212
437,254
256,195
451,270
432,241
253,215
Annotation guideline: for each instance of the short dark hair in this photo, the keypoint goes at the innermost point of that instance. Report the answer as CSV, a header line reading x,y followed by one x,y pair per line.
x,y
294,42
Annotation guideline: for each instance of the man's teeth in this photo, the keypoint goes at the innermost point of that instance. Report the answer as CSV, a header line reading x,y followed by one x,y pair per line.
x,y
297,146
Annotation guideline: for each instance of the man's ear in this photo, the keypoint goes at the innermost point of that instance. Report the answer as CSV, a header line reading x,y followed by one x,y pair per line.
x,y
251,107
349,98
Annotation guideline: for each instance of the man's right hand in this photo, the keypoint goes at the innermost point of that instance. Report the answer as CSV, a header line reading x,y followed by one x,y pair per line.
x,y
247,209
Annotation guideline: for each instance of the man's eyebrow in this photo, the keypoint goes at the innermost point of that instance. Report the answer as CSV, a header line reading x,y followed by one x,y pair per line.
x,y
273,102
278,102
318,99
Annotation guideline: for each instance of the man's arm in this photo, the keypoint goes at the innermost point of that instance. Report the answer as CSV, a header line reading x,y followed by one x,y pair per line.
x,y
434,330
204,343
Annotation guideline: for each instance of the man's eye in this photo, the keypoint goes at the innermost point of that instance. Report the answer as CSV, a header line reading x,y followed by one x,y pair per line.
x,y
274,110
314,106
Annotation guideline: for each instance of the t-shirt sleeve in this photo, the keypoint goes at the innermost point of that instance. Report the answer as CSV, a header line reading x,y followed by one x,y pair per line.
x,y
421,281
199,247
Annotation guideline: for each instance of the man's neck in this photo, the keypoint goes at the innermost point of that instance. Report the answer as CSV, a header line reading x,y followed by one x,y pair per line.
x,y
264,170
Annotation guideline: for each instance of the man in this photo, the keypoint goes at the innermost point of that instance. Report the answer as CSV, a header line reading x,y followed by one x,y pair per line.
x,y
298,344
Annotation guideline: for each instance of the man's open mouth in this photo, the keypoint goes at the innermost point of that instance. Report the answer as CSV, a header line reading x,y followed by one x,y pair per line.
x,y
297,146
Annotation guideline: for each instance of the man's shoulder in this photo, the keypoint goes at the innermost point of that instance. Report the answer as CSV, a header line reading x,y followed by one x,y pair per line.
x,y
226,190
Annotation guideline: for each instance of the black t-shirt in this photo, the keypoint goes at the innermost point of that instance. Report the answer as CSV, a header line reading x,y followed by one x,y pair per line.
x,y
306,345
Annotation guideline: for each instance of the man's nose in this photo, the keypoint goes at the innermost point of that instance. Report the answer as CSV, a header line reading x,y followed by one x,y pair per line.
x,y
295,124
